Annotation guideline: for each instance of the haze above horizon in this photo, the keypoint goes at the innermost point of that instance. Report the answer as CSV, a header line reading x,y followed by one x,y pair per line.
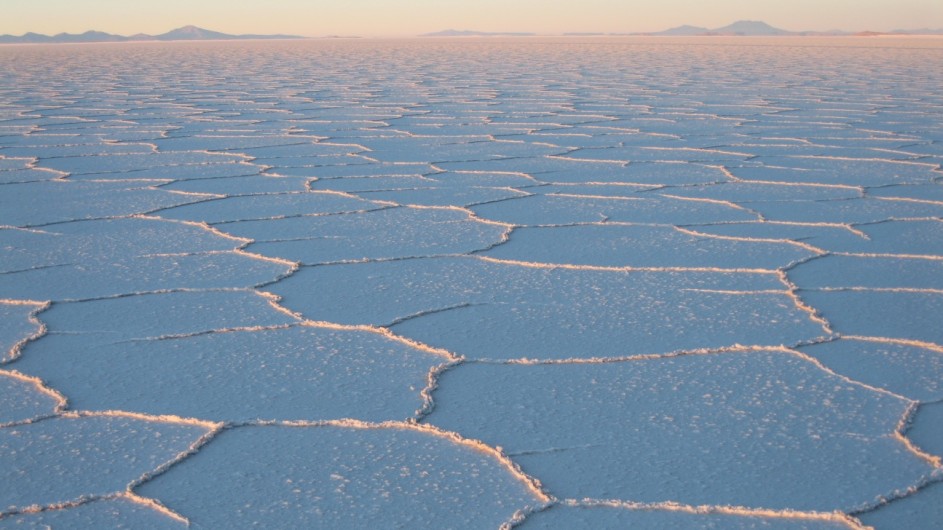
x,y
379,18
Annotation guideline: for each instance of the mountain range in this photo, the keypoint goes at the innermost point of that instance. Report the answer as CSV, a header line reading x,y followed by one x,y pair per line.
x,y
753,28
189,33
184,33
742,27
745,28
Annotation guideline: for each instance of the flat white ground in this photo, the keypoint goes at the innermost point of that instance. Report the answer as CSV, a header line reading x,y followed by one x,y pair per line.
x,y
554,283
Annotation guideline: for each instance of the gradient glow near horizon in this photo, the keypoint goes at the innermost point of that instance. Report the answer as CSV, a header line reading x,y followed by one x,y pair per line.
x,y
381,18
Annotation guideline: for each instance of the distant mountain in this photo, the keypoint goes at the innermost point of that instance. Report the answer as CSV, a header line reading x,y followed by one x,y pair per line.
x,y
469,33
88,36
740,28
184,33
32,38
751,28
684,31
193,33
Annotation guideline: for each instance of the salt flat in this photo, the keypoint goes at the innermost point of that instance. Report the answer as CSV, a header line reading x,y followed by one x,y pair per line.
x,y
477,283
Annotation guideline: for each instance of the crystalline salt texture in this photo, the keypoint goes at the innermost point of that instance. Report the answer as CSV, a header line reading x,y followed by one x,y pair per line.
x,y
162,315
374,183
22,400
902,237
379,234
451,149
107,240
64,459
114,513
905,369
561,209
478,308
507,117
142,274
826,237
784,149
904,315
575,517
38,203
300,149
869,272
95,164
329,168
178,172
76,150
337,476
252,184
593,190
248,207
785,435
926,429
16,325
379,293
451,196
224,143
854,211
547,169
9,163
738,191
658,154
923,509
642,246
299,373
18,176
668,174
838,170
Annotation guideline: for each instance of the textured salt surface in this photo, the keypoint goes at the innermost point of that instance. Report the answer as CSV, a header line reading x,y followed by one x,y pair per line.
x,y
338,476
682,433
546,282
23,399
91,456
616,515
119,512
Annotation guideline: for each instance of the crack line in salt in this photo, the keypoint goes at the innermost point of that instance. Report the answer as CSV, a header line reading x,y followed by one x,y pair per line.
x,y
16,351
793,242
568,266
671,506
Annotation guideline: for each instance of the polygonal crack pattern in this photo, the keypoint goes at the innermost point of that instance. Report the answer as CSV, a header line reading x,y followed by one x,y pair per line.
x,y
481,284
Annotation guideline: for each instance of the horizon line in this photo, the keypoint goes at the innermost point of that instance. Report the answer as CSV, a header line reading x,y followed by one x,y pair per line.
x,y
506,33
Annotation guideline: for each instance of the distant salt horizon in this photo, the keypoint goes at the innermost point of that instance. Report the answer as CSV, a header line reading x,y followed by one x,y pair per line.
x,y
745,28
409,18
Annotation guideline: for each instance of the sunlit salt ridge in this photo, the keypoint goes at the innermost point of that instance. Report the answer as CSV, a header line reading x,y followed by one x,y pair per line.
x,y
481,284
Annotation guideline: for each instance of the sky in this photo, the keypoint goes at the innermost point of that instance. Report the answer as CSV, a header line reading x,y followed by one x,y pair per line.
x,y
388,18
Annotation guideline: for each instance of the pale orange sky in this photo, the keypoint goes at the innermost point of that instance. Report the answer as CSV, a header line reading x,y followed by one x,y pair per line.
x,y
411,17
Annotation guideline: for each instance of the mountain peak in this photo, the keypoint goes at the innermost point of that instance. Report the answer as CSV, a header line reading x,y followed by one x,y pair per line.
x,y
751,27
193,33
685,30
739,28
